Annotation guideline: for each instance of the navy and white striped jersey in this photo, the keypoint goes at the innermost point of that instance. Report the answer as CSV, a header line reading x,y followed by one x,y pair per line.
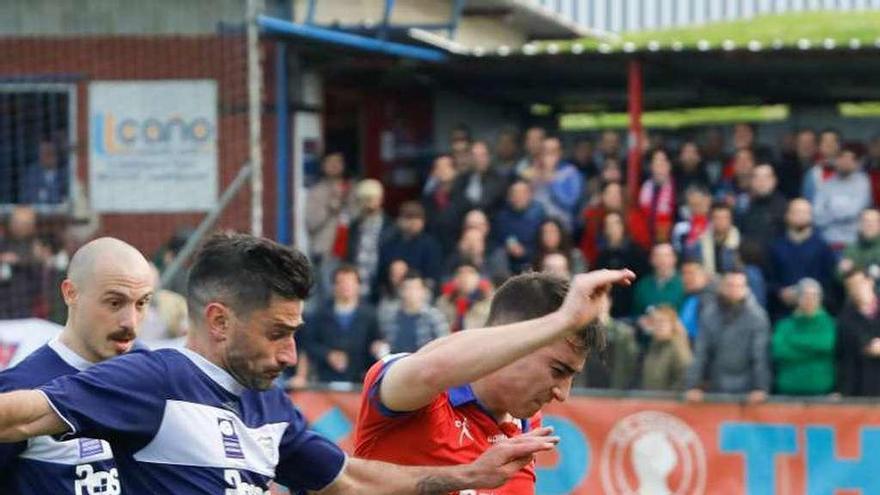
x,y
179,424
43,465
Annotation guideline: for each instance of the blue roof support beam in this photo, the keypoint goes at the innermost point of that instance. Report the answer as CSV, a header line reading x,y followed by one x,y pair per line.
x,y
457,8
392,28
386,17
310,13
280,27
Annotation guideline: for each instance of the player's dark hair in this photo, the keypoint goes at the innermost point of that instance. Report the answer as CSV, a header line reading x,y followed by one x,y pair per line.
x,y
244,272
533,295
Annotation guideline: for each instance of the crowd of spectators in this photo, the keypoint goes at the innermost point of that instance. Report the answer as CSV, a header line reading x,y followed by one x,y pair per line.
x,y
757,265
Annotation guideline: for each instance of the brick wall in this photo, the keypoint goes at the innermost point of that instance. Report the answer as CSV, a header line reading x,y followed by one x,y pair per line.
x,y
221,58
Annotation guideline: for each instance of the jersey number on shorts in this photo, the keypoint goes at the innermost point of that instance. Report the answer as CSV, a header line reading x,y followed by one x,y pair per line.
x,y
91,482
235,486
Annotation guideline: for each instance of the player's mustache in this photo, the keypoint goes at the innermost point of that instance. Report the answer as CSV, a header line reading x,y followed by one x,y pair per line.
x,y
122,334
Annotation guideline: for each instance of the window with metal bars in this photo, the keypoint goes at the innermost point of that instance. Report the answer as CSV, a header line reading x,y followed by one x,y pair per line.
x,y
35,144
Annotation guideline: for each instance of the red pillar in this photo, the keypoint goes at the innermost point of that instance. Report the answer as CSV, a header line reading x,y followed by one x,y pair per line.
x,y
634,159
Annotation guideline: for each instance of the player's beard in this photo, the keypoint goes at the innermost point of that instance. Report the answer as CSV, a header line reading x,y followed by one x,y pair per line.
x,y
241,366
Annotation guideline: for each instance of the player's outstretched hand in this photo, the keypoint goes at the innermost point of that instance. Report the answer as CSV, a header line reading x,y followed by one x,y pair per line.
x,y
506,458
581,304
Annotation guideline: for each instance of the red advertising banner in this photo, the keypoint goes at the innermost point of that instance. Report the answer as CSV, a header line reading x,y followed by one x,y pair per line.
x,y
622,446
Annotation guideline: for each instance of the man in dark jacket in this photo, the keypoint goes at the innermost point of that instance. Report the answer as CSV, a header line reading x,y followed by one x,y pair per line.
x,y
616,365
342,339
482,187
516,225
442,214
793,166
412,244
731,350
858,338
689,169
21,280
800,253
764,219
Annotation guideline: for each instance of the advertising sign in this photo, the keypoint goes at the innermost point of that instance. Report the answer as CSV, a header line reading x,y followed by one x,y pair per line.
x,y
623,446
153,145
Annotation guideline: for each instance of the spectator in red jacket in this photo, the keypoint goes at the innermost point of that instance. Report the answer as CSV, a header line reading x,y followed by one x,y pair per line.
x,y
657,197
612,199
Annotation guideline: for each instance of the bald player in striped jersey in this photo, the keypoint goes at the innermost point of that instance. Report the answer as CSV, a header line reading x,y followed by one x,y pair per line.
x,y
107,291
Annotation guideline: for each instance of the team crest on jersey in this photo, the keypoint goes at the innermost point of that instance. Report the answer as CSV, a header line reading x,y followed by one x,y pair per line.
x,y
464,433
89,447
231,443
267,444
7,352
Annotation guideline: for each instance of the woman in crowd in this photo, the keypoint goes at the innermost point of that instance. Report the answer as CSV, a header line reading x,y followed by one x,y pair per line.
x,y
668,354
554,238
612,199
619,252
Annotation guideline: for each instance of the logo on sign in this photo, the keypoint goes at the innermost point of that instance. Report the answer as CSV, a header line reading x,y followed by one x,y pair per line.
x,y
122,135
231,443
653,453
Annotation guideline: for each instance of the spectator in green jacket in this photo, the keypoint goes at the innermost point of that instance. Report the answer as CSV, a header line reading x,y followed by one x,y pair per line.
x,y
803,345
616,364
663,285
864,253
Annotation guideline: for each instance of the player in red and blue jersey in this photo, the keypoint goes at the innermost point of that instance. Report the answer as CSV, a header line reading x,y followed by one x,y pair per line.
x,y
206,420
456,397
107,291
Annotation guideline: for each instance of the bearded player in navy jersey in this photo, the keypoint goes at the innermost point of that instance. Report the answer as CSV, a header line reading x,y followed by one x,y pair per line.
x,y
107,291
206,420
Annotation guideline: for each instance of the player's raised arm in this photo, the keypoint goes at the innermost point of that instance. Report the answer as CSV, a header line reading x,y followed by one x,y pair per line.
x,y
414,381
25,414
490,470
